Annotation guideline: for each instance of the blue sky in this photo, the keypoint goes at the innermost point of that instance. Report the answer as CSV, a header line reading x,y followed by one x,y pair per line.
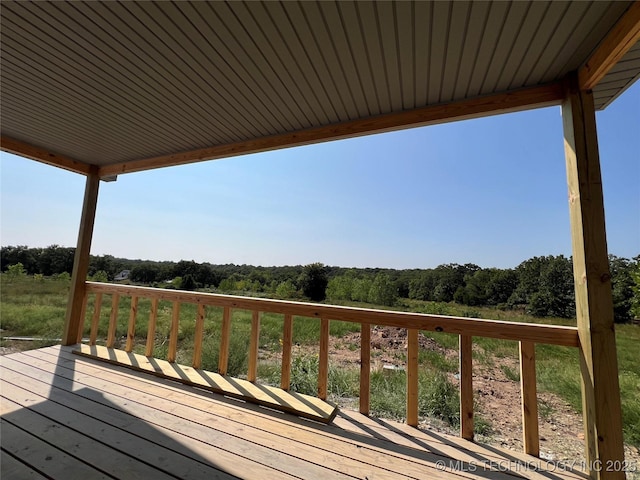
x,y
490,191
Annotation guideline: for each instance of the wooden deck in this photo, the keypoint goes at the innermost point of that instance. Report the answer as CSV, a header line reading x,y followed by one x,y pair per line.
x,y
65,416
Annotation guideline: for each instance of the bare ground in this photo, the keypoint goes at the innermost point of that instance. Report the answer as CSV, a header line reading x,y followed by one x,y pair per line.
x,y
497,398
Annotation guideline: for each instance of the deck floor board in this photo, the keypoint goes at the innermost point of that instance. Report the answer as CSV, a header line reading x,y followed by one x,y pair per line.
x,y
157,428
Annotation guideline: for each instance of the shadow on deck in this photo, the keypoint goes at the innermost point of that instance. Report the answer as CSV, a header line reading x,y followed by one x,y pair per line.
x,y
65,416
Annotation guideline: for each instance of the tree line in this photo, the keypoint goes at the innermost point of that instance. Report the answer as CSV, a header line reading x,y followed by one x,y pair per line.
x,y
543,286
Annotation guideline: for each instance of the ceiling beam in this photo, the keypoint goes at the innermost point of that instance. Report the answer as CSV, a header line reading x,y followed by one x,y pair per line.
x,y
29,151
623,36
551,94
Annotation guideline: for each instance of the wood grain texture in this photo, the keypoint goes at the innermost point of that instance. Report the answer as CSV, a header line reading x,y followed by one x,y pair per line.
x,y
192,431
83,316
198,337
81,260
287,342
592,281
515,100
301,405
412,377
131,330
528,391
151,329
547,334
624,35
95,319
173,334
254,345
365,368
223,360
466,387
23,149
323,360
113,320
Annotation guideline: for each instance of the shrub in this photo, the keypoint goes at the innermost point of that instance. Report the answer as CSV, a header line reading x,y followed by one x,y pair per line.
x,y
16,271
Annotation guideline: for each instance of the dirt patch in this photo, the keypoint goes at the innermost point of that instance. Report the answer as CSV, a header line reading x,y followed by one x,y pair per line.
x,y
497,397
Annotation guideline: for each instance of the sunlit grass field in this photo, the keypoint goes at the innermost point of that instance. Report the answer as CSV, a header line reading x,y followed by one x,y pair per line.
x,y
35,307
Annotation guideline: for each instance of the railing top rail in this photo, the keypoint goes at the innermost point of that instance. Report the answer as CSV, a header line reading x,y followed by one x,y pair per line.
x,y
532,332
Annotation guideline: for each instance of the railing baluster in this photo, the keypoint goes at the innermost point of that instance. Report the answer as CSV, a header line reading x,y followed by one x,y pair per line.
x,y
254,344
365,367
323,359
412,377
287,341
530,439
151,329
95,320
131,331
466,387
83,314
113,321
199,334
223,360
173,335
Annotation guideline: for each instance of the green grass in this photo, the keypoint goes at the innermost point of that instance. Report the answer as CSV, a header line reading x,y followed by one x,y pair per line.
x,y
36,307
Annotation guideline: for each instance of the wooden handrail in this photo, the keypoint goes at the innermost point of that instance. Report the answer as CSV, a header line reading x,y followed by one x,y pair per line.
x,y
526,333
475,327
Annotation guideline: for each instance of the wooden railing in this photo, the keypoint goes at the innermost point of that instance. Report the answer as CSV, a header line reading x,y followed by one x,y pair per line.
x,y
528,335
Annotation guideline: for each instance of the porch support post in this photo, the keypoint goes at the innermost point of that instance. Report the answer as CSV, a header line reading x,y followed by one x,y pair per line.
x,y
81,260
594,304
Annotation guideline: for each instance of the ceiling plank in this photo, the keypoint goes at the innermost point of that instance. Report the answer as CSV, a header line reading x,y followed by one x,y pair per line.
x,y
619,40
17,147
522,99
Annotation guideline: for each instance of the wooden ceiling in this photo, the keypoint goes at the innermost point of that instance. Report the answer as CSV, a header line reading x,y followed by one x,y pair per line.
x,y
128,86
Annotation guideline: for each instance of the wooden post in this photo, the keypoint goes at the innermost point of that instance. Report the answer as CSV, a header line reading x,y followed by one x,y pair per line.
x,y
287,341
466,387
412,377
173,334
594,304
199,337
223,356
81,259
323,360
95,320
83,316
113,320
131,330
528,392
151,331
365,368
254,346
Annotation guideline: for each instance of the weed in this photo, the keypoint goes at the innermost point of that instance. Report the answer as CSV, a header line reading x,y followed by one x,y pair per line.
x,y
481,426
36,307
545,409
511,373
